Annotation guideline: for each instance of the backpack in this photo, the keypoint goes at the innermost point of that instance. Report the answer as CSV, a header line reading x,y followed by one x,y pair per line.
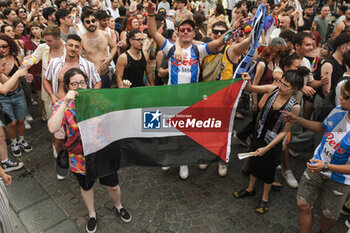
x,y
211,70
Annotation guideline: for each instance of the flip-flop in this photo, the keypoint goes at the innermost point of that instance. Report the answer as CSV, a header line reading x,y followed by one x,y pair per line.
x,y
276,187
262,207
243,193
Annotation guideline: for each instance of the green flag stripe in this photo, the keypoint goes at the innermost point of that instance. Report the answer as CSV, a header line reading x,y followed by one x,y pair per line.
x,y
92,103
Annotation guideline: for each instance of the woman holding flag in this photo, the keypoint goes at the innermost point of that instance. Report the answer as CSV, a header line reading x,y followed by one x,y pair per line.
x,y
64,114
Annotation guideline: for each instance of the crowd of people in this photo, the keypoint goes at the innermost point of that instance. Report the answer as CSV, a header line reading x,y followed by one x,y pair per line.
x,y
299,74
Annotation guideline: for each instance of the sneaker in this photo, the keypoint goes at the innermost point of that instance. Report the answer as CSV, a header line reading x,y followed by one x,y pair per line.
x,y
203,166
16,150
347,222
91,225
290,179
27,125
124,215
222,170
29,118
165,168
25,146
240,141
183,172
346,208
293,153
34,103
9,165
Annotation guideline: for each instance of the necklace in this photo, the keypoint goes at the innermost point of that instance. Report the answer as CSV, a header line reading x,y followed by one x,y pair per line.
x,y
137,55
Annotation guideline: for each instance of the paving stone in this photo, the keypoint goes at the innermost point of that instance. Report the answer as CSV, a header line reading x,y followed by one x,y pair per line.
x,y
66,226
25,191
16,222
41,216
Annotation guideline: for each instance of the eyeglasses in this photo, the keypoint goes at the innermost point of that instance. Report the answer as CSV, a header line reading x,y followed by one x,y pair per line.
x,y
283,84
90,21
216,32
139,39
188,29
21,12
4,46
76,84
345,96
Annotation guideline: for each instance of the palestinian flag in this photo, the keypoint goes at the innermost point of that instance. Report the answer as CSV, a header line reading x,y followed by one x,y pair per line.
x,y
172,125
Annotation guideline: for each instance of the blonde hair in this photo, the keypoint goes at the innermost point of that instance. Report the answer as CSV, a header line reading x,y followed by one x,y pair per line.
x,y
53,31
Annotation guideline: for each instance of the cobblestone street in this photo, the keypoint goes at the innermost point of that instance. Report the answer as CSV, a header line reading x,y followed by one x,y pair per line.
x,y
158,201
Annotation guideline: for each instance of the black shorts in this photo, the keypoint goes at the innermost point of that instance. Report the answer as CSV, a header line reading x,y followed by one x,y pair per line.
x,y
110,180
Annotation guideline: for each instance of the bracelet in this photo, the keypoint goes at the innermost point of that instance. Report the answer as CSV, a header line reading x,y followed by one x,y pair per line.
x,y
151,15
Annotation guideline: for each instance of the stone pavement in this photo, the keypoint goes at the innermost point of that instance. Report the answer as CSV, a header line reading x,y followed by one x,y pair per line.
x,y
158,201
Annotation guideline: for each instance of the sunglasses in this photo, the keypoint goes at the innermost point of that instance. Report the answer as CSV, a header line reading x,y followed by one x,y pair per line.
x,y
4,46
188,29
216,32
90,21
345,96
21,12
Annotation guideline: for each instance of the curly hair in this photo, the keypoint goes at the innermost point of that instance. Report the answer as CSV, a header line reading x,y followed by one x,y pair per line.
x,y
274,52
13,46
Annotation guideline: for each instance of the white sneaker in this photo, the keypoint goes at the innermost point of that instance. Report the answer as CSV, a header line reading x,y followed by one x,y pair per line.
x,y
222,170
34,103
183,172
165,168
347,223
29,118
27,125
203,166
290,179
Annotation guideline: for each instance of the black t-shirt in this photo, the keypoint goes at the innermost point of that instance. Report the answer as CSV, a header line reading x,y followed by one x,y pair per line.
x,y
307,24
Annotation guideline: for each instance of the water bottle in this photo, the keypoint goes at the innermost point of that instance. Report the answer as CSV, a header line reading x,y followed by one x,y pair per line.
x,y
28,62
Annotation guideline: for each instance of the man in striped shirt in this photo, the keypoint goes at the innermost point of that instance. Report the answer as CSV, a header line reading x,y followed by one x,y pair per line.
x,y
53,79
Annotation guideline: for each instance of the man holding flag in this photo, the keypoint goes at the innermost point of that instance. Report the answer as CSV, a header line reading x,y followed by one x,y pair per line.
x,y
186,70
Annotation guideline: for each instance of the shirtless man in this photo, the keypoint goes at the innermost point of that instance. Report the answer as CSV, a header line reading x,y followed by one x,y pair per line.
x,y
53,81
102,19
95,45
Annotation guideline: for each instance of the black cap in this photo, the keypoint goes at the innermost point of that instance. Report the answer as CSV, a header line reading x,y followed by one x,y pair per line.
x,y
190,22
162,11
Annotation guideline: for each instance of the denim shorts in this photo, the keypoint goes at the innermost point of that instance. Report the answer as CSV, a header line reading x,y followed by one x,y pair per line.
x,y
333,194
14,104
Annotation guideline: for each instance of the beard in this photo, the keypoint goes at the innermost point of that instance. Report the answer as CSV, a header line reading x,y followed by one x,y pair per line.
x,y
91,28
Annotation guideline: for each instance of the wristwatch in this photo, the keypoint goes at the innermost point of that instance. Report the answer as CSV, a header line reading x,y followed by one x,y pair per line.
x,y
325,168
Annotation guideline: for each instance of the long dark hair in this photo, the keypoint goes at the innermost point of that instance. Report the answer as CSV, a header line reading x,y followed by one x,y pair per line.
x,y
13,46
70,73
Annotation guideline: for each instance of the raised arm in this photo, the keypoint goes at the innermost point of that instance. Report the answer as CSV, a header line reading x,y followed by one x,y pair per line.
x,y
237,50
152,26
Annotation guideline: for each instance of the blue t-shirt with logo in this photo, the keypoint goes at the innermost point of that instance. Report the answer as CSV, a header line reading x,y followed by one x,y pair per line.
x,y
335,145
